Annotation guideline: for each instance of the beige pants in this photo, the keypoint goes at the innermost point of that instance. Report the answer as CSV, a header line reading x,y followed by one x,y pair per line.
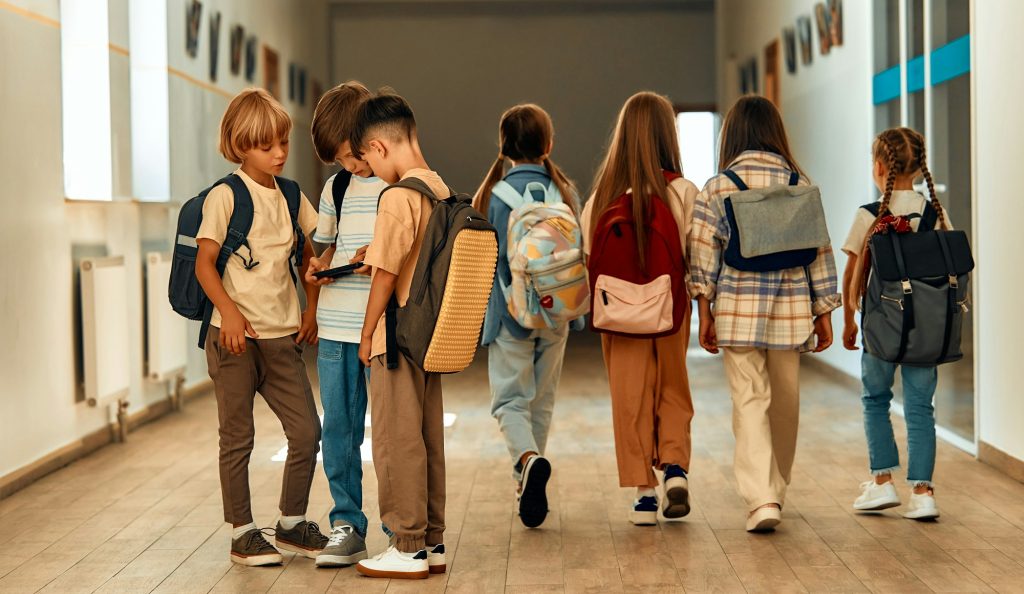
x,y
407,426
651,404
765,386
274,368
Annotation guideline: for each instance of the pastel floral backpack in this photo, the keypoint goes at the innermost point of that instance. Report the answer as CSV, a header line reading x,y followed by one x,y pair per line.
x,y
545,254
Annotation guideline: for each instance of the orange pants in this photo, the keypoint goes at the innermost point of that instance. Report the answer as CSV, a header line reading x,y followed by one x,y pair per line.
x,y
651,404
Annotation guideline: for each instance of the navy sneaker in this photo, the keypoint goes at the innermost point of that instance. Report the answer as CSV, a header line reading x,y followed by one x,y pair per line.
x,y
533,497
677,492
644,512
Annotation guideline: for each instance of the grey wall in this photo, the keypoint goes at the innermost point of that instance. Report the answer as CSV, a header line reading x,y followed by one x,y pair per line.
x,y
461,64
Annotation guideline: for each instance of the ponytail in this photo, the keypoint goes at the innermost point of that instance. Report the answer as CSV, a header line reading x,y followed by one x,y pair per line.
x,y
482,199
563,183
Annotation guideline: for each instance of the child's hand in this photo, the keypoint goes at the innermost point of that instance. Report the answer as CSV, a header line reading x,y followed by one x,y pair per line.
x,y
233,329
823,331
308,329
364,350
850,336
359,257
316,265
708,336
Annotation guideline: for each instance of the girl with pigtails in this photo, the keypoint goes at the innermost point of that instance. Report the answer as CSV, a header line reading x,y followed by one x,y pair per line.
x,y
899,158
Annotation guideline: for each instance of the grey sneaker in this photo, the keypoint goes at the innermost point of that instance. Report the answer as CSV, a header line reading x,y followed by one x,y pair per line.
x,y
344,547
253,550
305,539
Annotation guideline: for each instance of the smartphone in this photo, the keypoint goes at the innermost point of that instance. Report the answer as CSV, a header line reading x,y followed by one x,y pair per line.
x,y
339,271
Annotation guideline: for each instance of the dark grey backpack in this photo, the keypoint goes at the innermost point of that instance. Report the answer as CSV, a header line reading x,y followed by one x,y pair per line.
x,y
917,294
439,326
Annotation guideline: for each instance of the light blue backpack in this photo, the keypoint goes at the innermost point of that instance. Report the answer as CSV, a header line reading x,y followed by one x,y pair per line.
x,y
545,254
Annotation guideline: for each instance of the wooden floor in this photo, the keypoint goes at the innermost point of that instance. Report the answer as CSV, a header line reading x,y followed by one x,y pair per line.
x,y
146,515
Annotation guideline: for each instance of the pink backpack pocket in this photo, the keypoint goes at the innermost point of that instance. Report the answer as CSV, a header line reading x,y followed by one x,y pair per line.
x,y
628,308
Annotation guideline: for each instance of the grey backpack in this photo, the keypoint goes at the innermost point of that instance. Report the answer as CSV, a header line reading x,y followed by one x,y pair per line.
x,y
917,294
439,326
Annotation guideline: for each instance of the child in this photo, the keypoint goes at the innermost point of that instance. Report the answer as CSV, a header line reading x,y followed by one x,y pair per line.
x,y
651,403
899,157
524,365
762,320
406,408
340,313
256,333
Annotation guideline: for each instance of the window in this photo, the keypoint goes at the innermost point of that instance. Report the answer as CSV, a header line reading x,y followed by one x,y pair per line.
x,y
698,140
151,146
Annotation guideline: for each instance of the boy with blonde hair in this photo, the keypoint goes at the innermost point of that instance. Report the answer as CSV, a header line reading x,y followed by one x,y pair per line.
x,y
254,343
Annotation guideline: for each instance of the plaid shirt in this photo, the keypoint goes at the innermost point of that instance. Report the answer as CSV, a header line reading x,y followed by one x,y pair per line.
x,y
769,310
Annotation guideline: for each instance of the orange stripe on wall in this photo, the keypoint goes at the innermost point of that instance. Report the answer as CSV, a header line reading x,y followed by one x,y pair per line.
x,y
195,81
29,14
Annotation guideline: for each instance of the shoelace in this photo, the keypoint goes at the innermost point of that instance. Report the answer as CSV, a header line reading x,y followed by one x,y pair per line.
x,y
312,532
866,484
257,535
339,534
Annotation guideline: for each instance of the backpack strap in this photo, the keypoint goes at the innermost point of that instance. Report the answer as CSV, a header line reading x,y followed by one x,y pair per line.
x,y
293,196
908,297
416,185
729,173
339,185
236,237
874,208
951,304
508,195
794,178
929,217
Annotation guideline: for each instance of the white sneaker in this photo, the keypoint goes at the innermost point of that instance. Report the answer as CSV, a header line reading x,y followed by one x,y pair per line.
x,y
876,497
764,519
921,507
395,564
436,559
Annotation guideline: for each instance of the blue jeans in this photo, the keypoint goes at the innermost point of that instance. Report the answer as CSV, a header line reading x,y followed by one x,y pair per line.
x,y
918,389
524,376
343,395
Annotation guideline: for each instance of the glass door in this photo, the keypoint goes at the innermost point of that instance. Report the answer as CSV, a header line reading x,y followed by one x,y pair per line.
x,y
923,81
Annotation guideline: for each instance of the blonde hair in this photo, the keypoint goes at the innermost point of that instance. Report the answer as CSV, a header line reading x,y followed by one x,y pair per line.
x,y
525,133
902,150
253,118
643,145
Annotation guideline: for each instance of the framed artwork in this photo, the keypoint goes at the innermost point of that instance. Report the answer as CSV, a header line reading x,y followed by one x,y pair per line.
x,y
250,58
803,27
271,72
824,18
193,16
293,81
214,44
789,47
300,92
237,41
835,8
748,77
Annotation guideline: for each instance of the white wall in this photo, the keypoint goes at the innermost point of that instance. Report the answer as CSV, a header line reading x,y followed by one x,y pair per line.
x,y
826,107
38,413
999,85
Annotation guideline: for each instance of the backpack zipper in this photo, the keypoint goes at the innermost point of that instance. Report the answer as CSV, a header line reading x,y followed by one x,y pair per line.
x,y
556,287
898,302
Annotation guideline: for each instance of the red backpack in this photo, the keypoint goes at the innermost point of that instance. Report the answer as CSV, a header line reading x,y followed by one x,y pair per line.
x,y
626,300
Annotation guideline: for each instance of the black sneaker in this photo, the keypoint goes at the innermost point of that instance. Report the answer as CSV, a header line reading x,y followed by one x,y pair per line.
x,y
253,550
305,539
533,498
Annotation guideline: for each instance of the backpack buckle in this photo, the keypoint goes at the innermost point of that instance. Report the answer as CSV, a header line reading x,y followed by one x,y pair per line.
x,y
953,282
907,287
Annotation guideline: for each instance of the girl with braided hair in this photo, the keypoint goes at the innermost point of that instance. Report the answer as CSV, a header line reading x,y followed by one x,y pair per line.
x,y
899,158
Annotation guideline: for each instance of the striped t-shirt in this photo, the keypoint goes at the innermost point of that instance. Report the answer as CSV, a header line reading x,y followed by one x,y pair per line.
x,y
342,304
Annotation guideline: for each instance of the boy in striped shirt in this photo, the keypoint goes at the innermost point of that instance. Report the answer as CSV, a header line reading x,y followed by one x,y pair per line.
x,y
340,314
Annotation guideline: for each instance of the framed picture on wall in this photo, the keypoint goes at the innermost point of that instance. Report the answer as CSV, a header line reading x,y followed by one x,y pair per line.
x,y
271,72
293,80
803,27
835,8
300,92
748,76
250,58
237,41
193,16
789,47
824,18
214,44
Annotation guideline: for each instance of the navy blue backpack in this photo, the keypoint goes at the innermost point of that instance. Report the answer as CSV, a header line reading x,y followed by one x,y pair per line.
x,y
184,291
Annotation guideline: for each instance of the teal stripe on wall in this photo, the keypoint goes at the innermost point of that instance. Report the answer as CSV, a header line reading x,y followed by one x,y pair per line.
x,y
948,62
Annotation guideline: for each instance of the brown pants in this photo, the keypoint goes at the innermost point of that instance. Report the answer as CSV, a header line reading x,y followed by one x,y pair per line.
x,y
274,368
407,424
651,404
765,386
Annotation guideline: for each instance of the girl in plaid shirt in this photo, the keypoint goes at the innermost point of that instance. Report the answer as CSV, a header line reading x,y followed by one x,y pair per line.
x,y
761,320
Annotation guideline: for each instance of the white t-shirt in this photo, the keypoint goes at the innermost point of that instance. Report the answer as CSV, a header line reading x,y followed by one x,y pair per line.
x,y
342,305
265,294
902,203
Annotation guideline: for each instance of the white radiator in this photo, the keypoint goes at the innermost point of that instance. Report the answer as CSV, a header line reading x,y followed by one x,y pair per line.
x,y
105,342
166,331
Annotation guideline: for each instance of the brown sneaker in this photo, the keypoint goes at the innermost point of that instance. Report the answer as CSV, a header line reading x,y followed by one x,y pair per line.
x,y
253,550
305,539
